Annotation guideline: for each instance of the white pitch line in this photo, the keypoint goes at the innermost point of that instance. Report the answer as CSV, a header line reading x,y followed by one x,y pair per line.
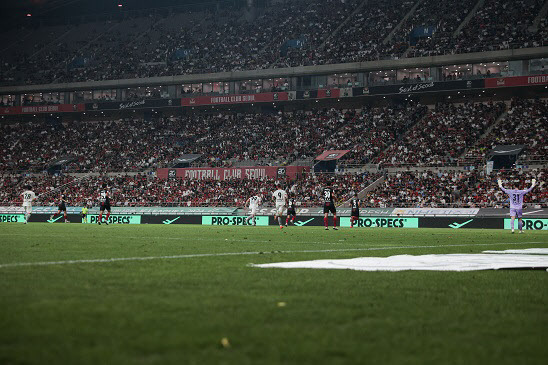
x,y
66,262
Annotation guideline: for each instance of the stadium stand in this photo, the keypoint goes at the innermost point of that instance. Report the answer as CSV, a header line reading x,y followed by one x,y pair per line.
x,y
134,144
147,190
525,124
443,188
441,137
287,33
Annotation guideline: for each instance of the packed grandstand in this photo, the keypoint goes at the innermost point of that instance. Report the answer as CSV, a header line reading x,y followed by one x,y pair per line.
x,y
401,150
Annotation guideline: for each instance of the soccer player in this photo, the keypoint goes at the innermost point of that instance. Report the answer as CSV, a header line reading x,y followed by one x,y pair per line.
x,y
254,203
291,211
28,197
84,214
329,206
104,199
280,197
516,203
355,214
62,207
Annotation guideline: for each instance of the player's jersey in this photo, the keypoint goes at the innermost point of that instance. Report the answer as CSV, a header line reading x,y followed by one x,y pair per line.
x,y
62,200
516,197
280,196
28,197
292,203
104,197
254,201
327,196
355,203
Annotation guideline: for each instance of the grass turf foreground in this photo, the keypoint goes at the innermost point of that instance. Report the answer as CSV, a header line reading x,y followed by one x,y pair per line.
x,y
177,310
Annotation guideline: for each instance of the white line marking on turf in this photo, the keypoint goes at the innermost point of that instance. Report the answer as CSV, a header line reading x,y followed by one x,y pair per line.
x,y
115,259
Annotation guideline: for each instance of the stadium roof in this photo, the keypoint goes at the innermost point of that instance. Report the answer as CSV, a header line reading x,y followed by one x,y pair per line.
x,y
25,12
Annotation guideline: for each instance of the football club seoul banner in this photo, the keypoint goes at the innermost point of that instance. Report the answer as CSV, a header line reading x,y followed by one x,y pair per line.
x,y
221,173
516,81
235,99
38,109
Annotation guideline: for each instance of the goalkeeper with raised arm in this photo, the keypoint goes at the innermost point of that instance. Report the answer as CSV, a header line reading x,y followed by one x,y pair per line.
x,y
516,203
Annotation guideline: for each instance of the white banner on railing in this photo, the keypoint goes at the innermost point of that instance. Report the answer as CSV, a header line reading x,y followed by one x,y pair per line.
x,y
433,212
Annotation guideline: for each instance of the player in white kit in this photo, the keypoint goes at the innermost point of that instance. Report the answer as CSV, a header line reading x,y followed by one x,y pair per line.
x,y
254,203
28,197
516,203
280,197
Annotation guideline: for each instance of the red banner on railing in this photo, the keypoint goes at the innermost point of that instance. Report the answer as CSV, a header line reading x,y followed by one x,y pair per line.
x,y
234,99
37,109
332,155
328,93
223,173
516,81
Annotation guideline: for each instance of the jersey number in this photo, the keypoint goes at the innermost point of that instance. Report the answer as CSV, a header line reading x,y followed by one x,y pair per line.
x,y
27,196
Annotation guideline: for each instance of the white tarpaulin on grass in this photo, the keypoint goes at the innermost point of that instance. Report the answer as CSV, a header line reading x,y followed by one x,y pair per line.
x,y
450,262
527,251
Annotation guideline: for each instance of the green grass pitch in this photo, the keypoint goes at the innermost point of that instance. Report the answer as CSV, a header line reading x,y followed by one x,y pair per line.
x,y
176,310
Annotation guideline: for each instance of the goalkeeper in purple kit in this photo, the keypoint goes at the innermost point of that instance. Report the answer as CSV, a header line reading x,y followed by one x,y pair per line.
x,y
516,203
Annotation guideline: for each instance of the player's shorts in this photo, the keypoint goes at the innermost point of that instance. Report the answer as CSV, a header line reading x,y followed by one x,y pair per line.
x,y
105,206
84,215
355,213
280,207
515,212
329,207
27,208
252,210
62,207
291,211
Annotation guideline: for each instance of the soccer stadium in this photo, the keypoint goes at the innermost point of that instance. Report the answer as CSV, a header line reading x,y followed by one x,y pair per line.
x,y
274,182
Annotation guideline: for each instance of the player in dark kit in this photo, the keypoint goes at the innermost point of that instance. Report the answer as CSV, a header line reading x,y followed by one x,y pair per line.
x,y
104,200
329,206
291,211
61,208
355,215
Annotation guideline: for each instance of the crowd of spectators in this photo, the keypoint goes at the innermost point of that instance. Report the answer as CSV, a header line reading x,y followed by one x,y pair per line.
x,y
443,135
371,131
451,188
148,190
501,25
232,39
221,138
526,123
445,16
435,188
390,136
